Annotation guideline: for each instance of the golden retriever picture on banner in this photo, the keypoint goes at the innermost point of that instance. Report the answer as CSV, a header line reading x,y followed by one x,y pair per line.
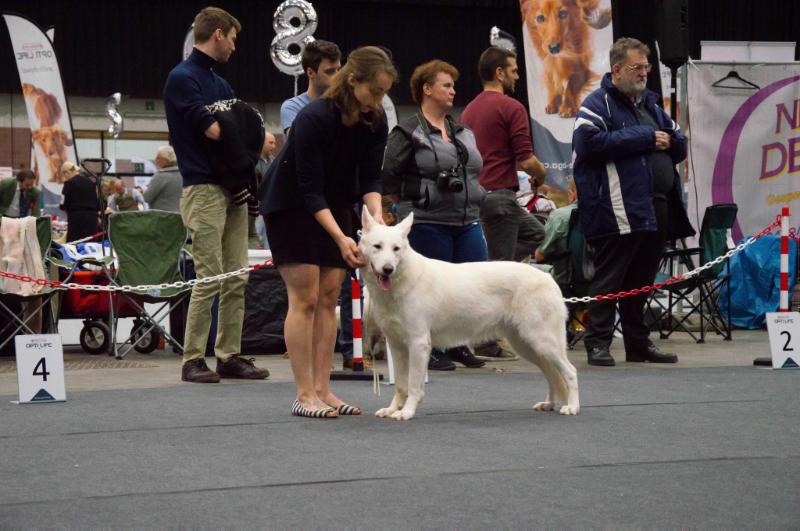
x,y
50,140
560,33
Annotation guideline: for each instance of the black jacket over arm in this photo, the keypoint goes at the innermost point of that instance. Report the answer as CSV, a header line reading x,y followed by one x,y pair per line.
x,y
235,155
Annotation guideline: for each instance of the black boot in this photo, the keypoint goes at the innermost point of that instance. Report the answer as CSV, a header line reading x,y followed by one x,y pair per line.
x,y
649,353
465,357
440,362
601,357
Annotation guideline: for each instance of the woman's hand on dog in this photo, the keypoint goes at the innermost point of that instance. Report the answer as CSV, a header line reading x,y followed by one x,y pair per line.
x,y
350,252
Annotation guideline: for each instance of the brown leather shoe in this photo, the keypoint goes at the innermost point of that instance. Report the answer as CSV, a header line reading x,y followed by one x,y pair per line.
x,y
241,368
197,371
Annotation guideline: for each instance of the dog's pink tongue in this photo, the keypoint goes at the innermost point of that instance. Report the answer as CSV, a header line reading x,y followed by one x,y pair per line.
x,y
384,282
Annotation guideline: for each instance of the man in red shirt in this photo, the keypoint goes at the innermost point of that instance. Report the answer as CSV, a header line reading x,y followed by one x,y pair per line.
x,y
503,133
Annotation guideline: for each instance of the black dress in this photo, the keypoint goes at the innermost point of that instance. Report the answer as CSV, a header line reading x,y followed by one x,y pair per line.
x,y
323,165
82,207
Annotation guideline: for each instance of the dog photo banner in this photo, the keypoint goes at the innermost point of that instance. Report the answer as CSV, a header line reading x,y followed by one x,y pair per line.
x,y
566,54
745,141
48,115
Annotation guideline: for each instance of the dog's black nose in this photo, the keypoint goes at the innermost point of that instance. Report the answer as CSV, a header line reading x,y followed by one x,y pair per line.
x,y
388,270
555,48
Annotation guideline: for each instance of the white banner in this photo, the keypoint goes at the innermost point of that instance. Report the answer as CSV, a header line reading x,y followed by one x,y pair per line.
x,y
566,55
48,115
745,144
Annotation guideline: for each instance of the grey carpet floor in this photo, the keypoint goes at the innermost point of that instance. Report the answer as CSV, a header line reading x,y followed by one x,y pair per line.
x,y
650,448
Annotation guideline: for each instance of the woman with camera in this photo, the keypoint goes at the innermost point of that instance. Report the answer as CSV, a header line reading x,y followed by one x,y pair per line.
x,y
431,168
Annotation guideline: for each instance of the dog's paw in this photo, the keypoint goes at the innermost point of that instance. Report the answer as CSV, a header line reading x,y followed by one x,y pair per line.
x,y
543,406
567,111
403,415
569,410
385,412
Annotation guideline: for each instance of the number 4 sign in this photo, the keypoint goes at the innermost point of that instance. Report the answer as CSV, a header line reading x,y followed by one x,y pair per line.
x,y
40,369
784,339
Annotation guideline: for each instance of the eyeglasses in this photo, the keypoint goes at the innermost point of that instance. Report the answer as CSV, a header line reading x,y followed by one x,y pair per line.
x,y
638,68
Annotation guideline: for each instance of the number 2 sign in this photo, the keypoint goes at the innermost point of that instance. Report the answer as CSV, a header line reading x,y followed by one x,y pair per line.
x,y
784,339
40,369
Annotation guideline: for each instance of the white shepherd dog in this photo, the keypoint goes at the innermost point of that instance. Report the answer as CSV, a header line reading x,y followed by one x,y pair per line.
x,y
418,303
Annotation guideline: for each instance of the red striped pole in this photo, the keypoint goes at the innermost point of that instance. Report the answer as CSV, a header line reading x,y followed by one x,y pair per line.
x,y
784,277
358,350
784,305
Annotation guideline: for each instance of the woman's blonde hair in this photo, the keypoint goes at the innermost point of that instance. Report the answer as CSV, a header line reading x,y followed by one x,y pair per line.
x,y
365,64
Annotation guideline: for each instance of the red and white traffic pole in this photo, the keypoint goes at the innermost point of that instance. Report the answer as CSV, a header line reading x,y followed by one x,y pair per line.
x,y
358,349
784,301
784,276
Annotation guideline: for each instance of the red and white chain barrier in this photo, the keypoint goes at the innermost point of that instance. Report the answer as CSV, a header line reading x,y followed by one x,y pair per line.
x,y
779,221
57,284
690,274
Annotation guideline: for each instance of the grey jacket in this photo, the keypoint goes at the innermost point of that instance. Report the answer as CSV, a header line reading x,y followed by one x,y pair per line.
x,y
410,168
164,190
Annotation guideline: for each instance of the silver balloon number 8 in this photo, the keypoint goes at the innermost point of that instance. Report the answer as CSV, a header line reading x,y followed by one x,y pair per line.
x,y
294,23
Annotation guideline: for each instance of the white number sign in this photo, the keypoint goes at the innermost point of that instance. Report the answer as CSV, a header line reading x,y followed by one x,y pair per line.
x,y
784,339
40,369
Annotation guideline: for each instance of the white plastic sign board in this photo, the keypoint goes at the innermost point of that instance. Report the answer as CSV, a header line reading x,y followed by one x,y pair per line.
x,y
784,339
40,369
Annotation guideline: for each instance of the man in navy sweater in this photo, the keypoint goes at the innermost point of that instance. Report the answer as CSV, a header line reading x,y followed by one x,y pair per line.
x,y
217,226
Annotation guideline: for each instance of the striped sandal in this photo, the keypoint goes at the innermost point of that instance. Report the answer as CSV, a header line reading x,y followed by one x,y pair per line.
x,y
300,410
345,409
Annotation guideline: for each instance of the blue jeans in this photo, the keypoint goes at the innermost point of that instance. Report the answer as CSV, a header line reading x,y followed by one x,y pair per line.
x,y
448,243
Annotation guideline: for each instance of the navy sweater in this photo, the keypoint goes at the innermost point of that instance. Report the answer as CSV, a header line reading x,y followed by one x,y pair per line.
x,y
323,164
190,87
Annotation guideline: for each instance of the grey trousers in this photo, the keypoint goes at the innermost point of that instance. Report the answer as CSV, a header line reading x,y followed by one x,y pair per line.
x,y
512,233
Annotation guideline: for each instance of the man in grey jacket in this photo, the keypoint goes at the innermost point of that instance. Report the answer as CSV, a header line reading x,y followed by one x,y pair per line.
x,y
164,190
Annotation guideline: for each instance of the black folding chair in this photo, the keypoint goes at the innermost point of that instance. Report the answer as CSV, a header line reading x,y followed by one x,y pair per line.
x,y
698,295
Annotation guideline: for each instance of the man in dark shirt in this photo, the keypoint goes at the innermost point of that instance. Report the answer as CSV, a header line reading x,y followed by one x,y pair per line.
x,y
503,134
217,226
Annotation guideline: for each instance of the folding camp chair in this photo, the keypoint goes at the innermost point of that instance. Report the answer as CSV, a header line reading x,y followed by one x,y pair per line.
x,y
713,240
148,246
22,309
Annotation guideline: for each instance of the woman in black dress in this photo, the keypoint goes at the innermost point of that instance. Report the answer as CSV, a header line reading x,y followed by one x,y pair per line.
x,y
80,202
331,161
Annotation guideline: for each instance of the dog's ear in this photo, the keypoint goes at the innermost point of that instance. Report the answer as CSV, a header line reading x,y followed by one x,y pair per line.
x,y
366,219
405,225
